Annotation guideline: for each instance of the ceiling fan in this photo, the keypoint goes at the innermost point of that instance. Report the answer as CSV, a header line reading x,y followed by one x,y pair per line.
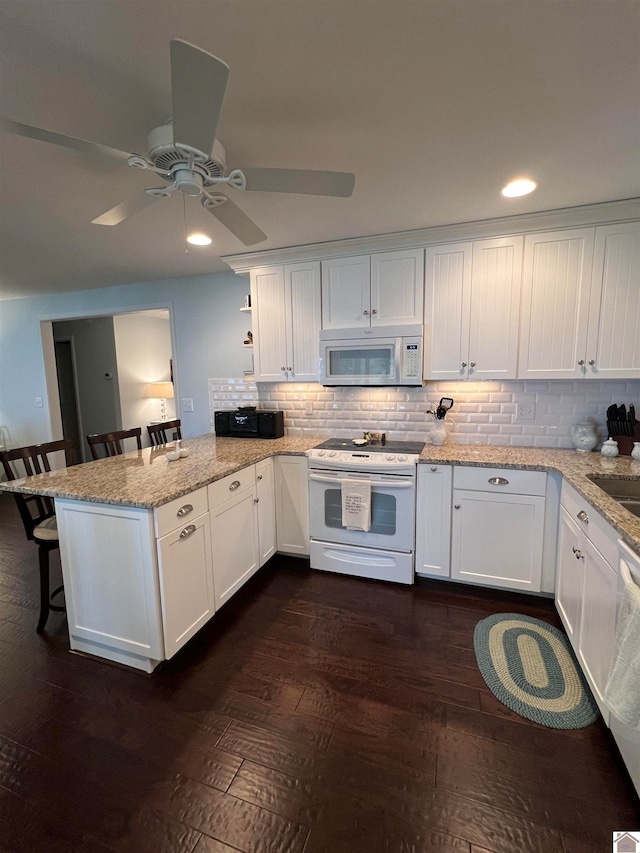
x,y
187,155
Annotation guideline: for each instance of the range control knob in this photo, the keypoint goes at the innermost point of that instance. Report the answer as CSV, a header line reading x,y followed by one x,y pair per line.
x,y
331,453
402,458
390,457
322,452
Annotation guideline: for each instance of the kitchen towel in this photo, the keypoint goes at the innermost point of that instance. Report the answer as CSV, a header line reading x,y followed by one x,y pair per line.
x,y
356,504
622,693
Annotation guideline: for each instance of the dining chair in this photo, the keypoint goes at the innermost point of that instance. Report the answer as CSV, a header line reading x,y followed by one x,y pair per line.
x,y
158,432
37,511
111,441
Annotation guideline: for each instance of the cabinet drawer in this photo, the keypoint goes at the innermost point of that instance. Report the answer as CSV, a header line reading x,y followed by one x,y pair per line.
x,y
227,487
179,512
592,524
517,482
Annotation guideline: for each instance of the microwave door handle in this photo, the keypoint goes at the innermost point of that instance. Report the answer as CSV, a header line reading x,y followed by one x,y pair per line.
x,y
398,353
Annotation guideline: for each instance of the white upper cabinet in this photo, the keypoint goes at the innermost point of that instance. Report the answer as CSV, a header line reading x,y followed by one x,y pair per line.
x,y
472,302
613,336
555,304
285,304
384,289
581,304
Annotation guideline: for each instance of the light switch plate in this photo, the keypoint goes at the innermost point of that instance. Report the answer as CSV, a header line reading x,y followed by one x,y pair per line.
x,y
187,404
526,412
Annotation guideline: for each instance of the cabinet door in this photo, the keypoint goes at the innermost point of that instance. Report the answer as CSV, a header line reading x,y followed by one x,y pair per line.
x,y
613,343
598,621
569,576
447,311
433,520
346,292
234,543
292,504
495,308
265,489
397,288
302,295
555,304
269,316
497,539
186,582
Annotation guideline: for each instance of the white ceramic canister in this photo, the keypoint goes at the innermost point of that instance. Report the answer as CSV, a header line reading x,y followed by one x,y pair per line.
x,y
438,433
635,453
584,436
609,448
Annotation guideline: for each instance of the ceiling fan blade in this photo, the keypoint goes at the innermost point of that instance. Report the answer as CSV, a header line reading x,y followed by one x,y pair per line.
x,y
302,181
125,209
236,220
15,127
198,83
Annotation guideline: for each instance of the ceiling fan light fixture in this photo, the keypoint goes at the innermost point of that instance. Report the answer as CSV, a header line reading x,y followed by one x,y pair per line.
x,y
199,239
521,186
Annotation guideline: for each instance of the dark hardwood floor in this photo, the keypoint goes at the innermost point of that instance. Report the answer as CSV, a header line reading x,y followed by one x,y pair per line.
x,y
314,713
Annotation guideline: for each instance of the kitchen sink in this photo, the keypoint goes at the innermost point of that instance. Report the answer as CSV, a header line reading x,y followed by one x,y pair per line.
x,y
626,492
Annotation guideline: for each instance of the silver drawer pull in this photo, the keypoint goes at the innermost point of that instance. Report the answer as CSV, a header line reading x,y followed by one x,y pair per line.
x,y
582,516
456,506
191,528
579,554
259,477
433,468
184,510
234,485
498,481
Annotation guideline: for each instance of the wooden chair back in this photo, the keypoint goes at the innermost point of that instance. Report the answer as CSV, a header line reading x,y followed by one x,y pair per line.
x,y
27,461
111,441
163,432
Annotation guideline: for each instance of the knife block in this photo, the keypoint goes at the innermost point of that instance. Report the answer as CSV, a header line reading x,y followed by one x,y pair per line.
x,y
625,442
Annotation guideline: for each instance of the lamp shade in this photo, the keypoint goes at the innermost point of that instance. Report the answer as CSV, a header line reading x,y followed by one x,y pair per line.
x,y
159,390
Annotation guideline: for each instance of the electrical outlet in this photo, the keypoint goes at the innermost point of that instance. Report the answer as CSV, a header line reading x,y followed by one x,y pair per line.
x,y
308,407
38,402
187,404
526,412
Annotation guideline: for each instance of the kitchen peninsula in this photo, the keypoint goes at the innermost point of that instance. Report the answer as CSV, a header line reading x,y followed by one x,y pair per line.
x,y
151,548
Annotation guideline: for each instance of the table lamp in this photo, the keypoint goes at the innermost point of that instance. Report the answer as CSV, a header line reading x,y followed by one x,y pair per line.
x,y
160,391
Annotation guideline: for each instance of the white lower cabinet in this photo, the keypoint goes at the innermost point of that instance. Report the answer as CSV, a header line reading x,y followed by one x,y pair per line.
x,y
265,490
186,582
233,513
433,520
498,526
292,505
586,588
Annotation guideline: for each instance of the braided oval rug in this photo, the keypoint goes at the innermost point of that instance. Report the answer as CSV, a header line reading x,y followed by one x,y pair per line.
x,y
530,667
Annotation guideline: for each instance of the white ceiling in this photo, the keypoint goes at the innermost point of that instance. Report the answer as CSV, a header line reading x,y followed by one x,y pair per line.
x,y
433,106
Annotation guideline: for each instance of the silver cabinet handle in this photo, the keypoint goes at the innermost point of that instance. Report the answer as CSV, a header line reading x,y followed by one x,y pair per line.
x,y
289,368
472,364
283,368
582,516
191,528
259,477
256,500
365,313
574,549
184,510
592,361
234,485
373,311
581,362
464,363
456,506
498,481
433,468
579,554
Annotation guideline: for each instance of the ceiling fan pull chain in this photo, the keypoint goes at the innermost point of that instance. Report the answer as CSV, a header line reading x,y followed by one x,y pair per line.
x,y
184,214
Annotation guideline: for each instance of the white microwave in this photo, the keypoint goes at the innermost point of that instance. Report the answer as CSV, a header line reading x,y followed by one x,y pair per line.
x,y
386,355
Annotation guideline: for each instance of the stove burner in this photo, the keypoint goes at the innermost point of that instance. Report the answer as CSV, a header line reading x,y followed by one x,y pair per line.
x,y
389,447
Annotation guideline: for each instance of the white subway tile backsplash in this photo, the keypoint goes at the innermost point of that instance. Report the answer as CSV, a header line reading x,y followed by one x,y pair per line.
x,y
483,412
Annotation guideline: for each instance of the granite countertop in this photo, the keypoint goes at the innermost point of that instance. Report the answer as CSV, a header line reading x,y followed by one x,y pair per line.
x,y
147,479
576,468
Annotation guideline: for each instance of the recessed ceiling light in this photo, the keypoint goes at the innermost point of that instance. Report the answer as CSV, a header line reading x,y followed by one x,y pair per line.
x,y
523,186
199,240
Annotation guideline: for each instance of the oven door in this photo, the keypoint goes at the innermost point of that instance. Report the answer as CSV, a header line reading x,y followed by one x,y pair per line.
x,y
392,510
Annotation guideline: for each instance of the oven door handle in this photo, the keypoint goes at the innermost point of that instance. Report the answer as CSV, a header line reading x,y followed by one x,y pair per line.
x,y
387,484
